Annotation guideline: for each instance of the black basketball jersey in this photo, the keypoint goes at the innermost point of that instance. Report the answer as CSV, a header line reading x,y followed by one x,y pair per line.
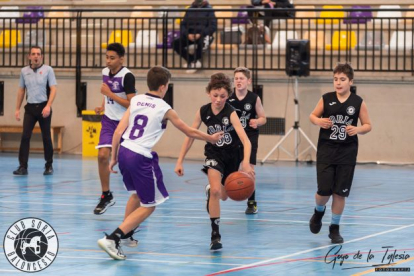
x,y
220,122
246,110
335,146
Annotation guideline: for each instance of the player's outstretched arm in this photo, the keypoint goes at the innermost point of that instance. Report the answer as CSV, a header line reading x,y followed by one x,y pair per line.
x,y
247,146
190,131
122,126
188,141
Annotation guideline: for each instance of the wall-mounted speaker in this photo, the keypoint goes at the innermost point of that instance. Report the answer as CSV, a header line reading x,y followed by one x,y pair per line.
x,y
298,58
169,96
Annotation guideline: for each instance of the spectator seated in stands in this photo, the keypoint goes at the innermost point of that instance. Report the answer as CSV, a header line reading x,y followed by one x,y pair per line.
x,y
196,30
257,35
272,12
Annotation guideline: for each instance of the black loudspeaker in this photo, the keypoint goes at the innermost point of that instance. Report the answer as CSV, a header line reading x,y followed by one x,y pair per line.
x,y
297,58
169,96
1,98
258,89
81,98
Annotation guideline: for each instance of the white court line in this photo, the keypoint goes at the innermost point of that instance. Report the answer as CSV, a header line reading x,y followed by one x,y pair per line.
x,y
192,198
154,261
307,251
203,218
142,260
15,271
203,210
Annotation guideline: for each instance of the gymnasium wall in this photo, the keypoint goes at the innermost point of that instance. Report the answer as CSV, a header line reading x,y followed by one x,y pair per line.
x,y
388,97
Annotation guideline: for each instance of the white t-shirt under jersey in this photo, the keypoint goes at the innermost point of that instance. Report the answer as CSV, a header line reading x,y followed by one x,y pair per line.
x,y
146,125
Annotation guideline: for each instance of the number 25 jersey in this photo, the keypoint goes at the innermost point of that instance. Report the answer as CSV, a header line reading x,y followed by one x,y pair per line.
x,y
146,125
335,146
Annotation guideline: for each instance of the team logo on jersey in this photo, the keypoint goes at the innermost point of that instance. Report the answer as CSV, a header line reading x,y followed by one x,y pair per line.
x,y
30,245
247,106
115,86
225,121
232,100
350,110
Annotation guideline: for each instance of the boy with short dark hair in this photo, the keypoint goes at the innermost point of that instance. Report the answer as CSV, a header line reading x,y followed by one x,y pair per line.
x,y
142,125
223,157
337,115
118,88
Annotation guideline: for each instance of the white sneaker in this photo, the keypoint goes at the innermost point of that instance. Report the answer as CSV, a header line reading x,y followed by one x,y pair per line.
x,y
198,64
194,65
130,242
111,247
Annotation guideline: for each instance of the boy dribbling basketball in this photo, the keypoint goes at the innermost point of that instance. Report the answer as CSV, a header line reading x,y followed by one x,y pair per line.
x,y
223,157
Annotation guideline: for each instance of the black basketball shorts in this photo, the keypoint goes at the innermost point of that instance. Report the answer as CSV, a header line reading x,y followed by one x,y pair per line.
x,y
224,161
334,179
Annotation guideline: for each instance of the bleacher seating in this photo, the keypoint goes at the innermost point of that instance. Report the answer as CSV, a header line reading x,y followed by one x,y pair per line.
x,y
10,38
342,40
120,36
328,16
401,40
385,13
31,16
359,15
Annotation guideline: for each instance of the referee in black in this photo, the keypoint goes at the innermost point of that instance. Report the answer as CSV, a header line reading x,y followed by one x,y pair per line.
x,y
38,82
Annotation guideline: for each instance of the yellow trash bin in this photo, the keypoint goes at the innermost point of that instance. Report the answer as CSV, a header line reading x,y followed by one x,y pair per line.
x,y
91,128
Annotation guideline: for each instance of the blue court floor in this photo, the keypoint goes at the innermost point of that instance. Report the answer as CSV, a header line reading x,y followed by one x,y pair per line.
x,y
377,225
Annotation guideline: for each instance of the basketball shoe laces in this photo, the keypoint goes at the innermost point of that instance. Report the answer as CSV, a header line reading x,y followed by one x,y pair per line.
x,y
117,245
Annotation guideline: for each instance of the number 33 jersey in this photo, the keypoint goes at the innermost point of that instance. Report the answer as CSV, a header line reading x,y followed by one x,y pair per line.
x,y
146,124
335,146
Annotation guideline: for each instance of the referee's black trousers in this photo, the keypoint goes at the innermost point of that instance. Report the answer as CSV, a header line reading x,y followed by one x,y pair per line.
x,y
33,114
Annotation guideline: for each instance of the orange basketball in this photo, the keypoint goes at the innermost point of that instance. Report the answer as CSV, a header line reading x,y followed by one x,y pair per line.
x,y
239,186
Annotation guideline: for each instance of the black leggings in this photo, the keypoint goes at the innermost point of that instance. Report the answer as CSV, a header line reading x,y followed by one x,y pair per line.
x,y
181,44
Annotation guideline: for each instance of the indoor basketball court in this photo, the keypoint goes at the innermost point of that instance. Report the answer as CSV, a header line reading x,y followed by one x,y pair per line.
x,y
377,225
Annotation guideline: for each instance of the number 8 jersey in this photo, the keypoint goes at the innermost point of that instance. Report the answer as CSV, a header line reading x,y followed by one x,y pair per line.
x,y
335,146
146,125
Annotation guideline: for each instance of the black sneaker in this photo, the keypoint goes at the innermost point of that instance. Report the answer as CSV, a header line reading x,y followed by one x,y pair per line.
x,y
48,170
104,203
315,223
251,207
20,171
334,234
215,241
208,197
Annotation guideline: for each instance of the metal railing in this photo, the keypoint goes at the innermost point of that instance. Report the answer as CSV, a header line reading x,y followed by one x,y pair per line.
x,y
78,39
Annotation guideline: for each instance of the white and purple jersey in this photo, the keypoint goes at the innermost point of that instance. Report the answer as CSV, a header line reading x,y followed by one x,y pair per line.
x,y
146,124
118,85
